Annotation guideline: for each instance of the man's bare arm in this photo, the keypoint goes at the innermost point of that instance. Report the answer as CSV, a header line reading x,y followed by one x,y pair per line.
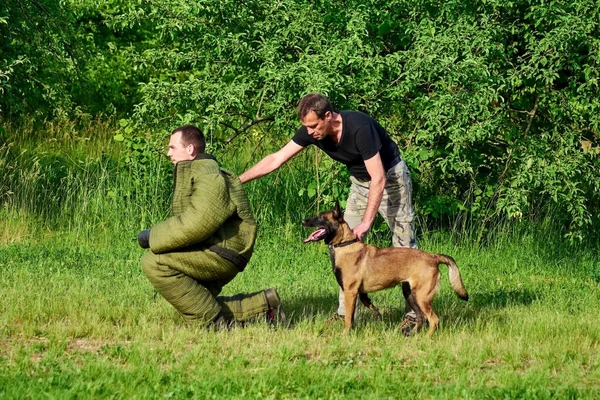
x,y
374,167
271,162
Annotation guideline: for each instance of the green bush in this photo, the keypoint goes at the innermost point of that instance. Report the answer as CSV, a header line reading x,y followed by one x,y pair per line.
x,y
493,103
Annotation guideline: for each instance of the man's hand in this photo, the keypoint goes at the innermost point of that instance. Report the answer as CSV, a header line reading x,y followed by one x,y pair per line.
x,y
361,230
144,239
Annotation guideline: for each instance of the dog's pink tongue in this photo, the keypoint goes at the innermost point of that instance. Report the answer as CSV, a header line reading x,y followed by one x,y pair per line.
x,y
316,235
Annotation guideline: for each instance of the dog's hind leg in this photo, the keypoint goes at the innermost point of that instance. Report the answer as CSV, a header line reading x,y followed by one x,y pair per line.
x,y
364,298
408,295
406,291
412,303
424,298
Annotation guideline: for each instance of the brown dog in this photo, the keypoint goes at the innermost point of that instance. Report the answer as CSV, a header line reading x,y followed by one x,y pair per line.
x,y
361,269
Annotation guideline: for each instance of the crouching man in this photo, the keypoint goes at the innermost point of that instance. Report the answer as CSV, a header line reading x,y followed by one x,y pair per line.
x,y
206,242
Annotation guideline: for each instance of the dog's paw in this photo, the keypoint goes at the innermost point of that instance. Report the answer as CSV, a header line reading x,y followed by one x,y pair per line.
x,y
376,313
334,318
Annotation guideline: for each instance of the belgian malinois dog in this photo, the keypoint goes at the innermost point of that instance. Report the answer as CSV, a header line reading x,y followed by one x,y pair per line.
x,y
360,269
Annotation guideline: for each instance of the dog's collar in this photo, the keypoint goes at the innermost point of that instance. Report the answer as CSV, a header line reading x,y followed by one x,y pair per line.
x,y
349,242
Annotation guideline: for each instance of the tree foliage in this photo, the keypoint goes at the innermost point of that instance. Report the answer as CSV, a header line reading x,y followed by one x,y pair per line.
x,y
494,103
58,59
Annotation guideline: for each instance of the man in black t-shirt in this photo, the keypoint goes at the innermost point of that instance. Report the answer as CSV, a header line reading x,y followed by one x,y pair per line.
x,y
380,179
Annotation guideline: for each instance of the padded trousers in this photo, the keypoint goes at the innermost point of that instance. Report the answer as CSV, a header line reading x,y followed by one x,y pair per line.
x,y
192,280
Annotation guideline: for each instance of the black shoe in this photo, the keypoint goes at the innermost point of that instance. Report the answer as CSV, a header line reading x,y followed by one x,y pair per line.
x,y
275,315
408,324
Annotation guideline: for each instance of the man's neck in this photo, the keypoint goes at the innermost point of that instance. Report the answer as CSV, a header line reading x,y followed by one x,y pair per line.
x,y
204,156
337,127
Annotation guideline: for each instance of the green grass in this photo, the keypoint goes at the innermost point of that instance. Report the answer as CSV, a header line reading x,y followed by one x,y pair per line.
x,y
80,320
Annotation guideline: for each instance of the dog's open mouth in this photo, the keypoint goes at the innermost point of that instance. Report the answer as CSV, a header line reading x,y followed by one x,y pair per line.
x,y
316,235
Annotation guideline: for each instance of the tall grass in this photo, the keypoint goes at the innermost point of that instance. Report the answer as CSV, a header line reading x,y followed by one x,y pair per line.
x,y
79,319
78,183
75,180
54,186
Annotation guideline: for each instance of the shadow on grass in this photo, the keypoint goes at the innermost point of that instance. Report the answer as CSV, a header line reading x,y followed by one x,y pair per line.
x,y
451,310
484,306
504,298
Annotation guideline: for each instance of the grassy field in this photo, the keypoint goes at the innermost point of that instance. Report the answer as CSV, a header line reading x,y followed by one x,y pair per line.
x,y
80,320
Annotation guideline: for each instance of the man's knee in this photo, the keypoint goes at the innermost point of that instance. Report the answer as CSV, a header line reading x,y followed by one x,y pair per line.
x,y
404,235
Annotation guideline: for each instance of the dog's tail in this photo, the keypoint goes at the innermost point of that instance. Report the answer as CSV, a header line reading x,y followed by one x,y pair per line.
x,y
454,274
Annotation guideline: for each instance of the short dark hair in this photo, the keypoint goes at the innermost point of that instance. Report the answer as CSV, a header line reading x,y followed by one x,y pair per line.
x,y
192,135
314,102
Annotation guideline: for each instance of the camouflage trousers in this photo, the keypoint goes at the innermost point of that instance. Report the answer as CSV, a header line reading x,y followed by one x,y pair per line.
x,y
192,287
396,209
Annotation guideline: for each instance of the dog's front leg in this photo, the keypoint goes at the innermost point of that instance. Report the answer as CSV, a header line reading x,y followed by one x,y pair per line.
x,y
350,304
364,298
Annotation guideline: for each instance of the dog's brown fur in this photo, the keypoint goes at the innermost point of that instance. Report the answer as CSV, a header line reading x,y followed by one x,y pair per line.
x,y
361,269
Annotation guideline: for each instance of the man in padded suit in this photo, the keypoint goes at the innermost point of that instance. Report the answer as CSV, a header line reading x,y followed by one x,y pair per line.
x,y
207,241
380,179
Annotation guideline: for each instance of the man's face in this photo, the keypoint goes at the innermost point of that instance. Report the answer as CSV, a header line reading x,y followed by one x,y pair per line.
x,y
178,151
317,128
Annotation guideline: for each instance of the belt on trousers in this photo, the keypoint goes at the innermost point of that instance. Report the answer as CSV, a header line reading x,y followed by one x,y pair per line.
x,y
236,259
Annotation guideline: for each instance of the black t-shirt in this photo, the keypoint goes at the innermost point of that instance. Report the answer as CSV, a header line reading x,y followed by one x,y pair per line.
x,y
362,137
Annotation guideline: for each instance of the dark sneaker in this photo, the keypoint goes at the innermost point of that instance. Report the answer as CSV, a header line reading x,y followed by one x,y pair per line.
x,y
275,315
408,324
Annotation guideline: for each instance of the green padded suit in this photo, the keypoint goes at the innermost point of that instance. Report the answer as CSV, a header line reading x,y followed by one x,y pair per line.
x,y
202,247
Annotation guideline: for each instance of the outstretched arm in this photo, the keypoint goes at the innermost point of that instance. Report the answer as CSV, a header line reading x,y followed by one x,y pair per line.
x,y
271,162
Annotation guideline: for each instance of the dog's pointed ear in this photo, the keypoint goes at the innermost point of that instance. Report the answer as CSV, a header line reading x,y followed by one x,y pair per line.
x,y
336,211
